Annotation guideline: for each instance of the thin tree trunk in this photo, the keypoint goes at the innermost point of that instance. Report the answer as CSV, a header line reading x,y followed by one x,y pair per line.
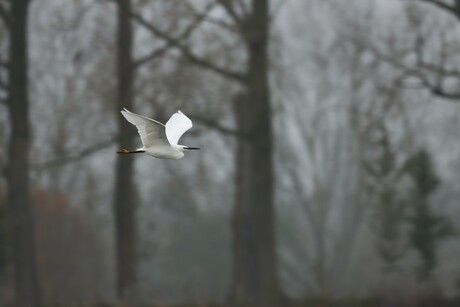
x,y
19,205
124,193
254,258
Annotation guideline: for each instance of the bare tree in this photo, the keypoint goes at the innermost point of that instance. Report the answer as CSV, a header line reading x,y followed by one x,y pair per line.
x,y
434,75
125,196
420,65
254,258
19,206
124,202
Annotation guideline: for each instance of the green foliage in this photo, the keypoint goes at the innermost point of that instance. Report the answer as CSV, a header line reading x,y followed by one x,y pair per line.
x,y
427,228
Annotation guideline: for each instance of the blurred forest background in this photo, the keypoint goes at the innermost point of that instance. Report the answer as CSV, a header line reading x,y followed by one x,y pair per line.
x,y
330,163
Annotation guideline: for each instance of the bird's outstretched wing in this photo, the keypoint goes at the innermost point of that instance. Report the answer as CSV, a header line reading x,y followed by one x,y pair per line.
x,y
152,132
176,126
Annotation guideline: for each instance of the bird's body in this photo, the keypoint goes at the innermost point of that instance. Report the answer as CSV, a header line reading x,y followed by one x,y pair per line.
x,y
158,140
166,152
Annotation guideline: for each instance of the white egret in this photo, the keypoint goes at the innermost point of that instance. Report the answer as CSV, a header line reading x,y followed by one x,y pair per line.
x,y
158,140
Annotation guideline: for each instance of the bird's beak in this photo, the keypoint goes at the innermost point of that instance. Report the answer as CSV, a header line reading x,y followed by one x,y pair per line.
x,y
192,148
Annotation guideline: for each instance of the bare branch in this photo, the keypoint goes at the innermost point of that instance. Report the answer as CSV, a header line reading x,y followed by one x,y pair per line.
x,y
188,31
188,54
228,6
444,6
387,59
222,24
442,71
216,126
440,92
186,51
215,21
151,56
74,157
435,89
5,16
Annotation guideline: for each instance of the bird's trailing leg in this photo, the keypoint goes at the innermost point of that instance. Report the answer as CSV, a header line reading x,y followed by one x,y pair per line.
x,y
124,151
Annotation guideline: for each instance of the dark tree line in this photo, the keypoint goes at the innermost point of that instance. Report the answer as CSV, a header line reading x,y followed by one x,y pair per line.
x,y
255,265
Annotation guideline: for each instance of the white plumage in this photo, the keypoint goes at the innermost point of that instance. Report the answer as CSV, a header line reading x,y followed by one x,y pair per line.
x,y
160,140
176,126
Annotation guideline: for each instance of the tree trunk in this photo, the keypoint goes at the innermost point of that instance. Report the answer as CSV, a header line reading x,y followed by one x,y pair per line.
x,y
254,258
124,193
19,205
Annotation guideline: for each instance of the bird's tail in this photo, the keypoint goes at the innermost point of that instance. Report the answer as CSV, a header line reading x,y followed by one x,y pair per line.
x,y
124,151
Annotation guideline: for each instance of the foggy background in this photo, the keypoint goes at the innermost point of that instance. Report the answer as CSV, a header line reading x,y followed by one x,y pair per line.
x,y
335,182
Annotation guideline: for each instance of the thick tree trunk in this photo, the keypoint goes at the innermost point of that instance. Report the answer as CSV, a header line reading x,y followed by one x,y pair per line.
x,y
19,205
254,258
124,194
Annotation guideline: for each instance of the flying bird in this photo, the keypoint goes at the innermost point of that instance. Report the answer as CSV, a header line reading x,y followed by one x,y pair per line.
x,y
158,140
